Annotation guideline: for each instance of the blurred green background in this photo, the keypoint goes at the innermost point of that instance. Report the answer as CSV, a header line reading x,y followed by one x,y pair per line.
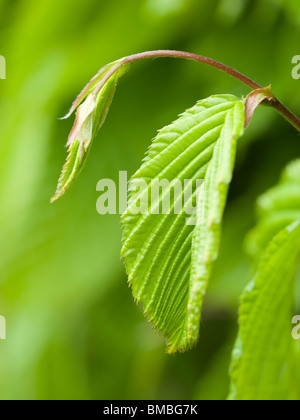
x,y
73,330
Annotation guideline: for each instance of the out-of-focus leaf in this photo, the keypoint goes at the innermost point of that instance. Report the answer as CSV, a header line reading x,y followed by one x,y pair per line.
x,y
277,208
167,260
263,360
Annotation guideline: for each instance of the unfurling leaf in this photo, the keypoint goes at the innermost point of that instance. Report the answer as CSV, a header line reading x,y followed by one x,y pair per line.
x,y
264,365
92,106
169,260
254,99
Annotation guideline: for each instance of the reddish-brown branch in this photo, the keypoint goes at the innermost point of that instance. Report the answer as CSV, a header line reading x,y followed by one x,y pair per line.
x,y
275,103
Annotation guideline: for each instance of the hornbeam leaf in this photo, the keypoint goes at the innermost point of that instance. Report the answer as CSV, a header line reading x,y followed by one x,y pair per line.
x,y
264,361
92,107
169,257
95,82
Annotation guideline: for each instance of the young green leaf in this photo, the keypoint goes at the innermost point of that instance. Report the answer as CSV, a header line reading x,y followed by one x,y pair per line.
x,y
276,209
168,260
263,361
92,106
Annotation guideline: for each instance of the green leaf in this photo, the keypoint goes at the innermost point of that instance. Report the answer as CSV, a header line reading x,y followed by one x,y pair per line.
x,y
264,365
276,209
92,105
168,260
97,81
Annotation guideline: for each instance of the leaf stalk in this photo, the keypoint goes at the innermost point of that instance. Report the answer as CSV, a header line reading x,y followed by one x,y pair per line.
x,y
275,103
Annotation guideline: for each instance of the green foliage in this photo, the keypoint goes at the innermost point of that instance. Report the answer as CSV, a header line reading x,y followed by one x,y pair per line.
x,y
265,359
90,116
276,209
72,329
169,261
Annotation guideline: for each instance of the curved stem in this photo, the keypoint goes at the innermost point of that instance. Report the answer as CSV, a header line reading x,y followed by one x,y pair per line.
x,y
275,103
286,113
194,57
